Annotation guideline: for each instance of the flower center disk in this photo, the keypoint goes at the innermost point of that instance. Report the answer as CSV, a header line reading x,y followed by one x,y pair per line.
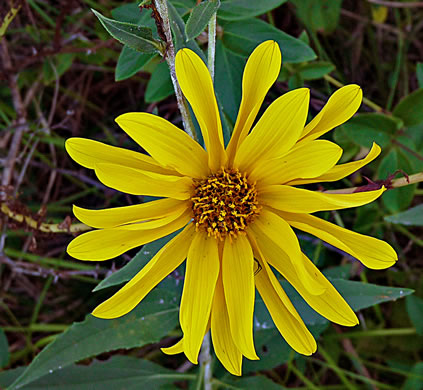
x,y
224,203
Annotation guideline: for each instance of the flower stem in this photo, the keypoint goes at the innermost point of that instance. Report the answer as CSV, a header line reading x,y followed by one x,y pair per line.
x,y
211,50
169,55
206,361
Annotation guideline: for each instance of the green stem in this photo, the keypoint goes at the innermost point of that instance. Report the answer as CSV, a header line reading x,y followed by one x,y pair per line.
x,y
37,328
206,362
169,55
302,377
211,49
374,333
335,368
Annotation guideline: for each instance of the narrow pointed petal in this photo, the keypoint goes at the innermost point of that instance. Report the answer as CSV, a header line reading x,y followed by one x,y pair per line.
x,y
162,264
373,253
276,132
174,349
88,153
106,244
138,182
238,282
155,223
197,86
342,170
168,145
270,226
223,343
341,106
298,200
108,218
261,71
200,280
283,312
329,304
310,159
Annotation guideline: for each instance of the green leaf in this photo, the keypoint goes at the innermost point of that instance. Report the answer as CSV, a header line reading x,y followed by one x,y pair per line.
x,y
318,15
154,318
415,312
315,70
130,13
364,129
363,295
136,37
127,272
7,377
130,62
415,378
410,109
244,9
243,36
117,373
200,17
4,349
228,80
358,295
419,74
160,85
178,28
410,217
396,199
273,350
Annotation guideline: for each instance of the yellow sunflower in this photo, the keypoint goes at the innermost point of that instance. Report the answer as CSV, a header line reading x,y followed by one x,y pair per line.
x,y
236,207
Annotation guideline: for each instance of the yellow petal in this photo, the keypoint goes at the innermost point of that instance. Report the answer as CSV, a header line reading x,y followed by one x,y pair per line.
x,y
298,200
238,283
373,253
261,71
309,159
155,223
161,265
88,153
138,182
223,343
341,106
342,170
108,243
277,130
174,349
108,218
270,226
200,280
283,313
329,304
168,145
197,86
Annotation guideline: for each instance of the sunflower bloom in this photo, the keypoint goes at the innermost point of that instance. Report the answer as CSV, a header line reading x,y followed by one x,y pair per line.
x,y
235,207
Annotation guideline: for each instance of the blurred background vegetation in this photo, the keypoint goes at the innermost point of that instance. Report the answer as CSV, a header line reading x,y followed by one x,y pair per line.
x,y
62,75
